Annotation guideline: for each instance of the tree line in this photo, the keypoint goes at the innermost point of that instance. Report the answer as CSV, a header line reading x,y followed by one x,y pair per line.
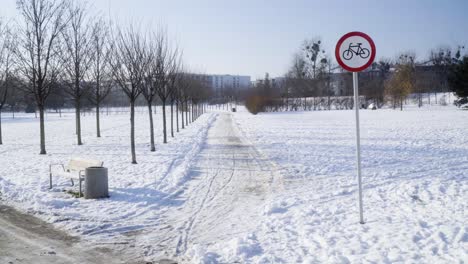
x,y
59,49
314,82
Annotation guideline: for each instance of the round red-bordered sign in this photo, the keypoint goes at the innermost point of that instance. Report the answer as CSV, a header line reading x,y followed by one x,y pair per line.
x,y
355,56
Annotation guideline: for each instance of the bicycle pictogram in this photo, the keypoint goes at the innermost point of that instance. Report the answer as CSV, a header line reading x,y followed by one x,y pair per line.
x,y
355,49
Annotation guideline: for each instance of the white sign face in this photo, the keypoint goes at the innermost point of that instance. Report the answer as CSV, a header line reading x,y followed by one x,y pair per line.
x,y
355,51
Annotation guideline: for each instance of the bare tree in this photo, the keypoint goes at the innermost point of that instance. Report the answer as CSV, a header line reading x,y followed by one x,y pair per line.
x,y
175,98
442,60
180,86
200,92
76,56
6,61
152,76
101,52
173,82
128,70
182,98
37,52
186,95
167,64
328,68
298,78
314,55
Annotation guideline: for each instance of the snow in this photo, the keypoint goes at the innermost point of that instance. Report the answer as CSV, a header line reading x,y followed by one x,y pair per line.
x,y
266,188
415,173
135,189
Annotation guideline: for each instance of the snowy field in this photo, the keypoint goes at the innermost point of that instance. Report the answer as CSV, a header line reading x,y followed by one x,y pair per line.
x,y
415,173
269,188
135,190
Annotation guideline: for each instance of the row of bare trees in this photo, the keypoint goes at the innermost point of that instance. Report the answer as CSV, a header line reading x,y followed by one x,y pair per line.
x,y
422,79
314,82
60,47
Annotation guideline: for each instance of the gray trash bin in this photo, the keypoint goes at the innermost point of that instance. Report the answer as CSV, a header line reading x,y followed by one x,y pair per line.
x,y
96,183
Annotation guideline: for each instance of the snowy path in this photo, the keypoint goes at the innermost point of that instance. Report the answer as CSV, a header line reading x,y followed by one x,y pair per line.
x,y
223,198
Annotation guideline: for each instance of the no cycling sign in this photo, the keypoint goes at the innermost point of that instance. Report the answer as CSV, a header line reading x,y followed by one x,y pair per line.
x,y
355,52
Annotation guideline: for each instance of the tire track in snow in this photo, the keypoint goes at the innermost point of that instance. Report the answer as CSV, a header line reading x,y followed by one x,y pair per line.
x,y
226,188
177,162
184,237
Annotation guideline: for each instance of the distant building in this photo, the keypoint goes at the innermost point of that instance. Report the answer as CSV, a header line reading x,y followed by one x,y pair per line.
x,y
220,82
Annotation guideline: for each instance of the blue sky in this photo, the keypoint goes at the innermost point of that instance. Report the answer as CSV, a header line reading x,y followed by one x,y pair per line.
x,y
254,37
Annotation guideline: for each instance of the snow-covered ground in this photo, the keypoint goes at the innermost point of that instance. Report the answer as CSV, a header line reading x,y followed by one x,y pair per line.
x,y
135,190
270,188
415,173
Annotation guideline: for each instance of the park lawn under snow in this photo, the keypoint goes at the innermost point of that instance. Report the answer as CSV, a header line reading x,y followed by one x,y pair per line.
x,y
135,190
415,174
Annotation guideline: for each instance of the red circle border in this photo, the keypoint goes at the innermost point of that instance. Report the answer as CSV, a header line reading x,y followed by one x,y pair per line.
x,y
352,34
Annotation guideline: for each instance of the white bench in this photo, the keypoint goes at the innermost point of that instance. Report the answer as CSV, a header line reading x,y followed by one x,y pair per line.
x,y
75,167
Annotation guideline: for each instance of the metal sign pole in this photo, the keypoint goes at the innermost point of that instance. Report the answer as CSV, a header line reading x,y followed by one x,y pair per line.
x,y
358,144
355,51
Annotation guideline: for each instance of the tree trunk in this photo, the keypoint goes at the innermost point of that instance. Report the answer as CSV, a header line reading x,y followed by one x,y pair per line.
x,y
132,131
164,121
172,118
150,112
78,121
177,115
42,130
191,112
182,114
186,113
98,124
1,142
